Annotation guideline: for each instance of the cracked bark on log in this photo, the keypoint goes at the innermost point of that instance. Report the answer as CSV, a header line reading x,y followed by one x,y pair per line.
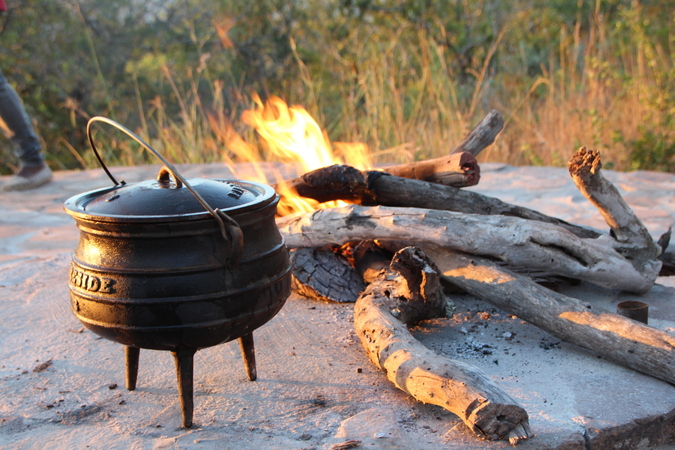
x,y
409,291
625,341
542,276
321,274
512,240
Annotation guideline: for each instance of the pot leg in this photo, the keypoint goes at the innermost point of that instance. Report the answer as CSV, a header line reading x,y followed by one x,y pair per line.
x,y
248,352
184,368
132,366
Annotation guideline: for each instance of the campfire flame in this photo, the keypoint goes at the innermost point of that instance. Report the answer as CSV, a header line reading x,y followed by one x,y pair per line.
x,y
290,132
292,136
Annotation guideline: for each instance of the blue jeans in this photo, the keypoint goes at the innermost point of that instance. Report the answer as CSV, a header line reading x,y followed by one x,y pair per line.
x,y
27,144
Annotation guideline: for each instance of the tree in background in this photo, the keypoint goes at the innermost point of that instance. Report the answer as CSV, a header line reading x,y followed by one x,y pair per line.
x,y
412,75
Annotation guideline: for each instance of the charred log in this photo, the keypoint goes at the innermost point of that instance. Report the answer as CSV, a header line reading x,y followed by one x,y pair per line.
x,y
370,259
322,274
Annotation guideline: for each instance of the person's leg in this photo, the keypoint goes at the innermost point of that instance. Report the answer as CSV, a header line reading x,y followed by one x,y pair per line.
x,y
28,148
33,172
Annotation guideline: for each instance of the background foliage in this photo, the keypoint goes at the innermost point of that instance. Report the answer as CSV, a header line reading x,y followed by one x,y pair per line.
x,y
409,78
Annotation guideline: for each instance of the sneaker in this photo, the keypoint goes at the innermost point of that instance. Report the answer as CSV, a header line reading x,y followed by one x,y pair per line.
x,y
29,177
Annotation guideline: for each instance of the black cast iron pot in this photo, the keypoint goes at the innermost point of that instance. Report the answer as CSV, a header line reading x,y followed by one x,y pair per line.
x,y
177,264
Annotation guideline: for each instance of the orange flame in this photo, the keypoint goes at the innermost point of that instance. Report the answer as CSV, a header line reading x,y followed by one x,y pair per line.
x,y
291,136
290,133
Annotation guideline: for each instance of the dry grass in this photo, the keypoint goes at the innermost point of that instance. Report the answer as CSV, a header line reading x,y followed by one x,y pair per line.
x,y
405,103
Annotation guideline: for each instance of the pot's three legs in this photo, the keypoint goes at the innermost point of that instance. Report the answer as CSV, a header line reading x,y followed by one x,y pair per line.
x,y
184,368
185,372
248,352
132,366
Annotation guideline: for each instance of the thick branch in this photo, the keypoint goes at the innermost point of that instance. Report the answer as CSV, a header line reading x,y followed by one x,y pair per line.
x,y
336,183
512,240
458,170
395,191
411,284
483,135
633,240
375,188
618,338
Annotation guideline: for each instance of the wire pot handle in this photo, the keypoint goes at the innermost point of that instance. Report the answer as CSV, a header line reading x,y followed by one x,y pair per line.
x,y
228,226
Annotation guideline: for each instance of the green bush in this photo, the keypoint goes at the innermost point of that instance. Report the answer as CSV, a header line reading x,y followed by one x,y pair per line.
x,y
409,78
652,151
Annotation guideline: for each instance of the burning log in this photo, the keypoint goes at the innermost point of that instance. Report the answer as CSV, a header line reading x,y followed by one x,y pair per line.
x,y
457,169
338,274
615,337
513,240
410,291
377,188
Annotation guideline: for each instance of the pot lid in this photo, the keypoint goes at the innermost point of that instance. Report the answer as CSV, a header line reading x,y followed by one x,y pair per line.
x,y
164,198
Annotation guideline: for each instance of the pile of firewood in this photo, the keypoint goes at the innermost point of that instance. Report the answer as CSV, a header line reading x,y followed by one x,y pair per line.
x,y
411,226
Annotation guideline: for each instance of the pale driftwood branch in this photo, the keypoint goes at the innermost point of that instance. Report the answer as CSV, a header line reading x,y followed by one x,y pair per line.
x,y
483,135
615,337
405,293
541,275
632,239
375,188
458,170
512,240
396,191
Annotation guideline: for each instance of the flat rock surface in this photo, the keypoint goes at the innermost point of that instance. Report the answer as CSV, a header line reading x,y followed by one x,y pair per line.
x,y
63,387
